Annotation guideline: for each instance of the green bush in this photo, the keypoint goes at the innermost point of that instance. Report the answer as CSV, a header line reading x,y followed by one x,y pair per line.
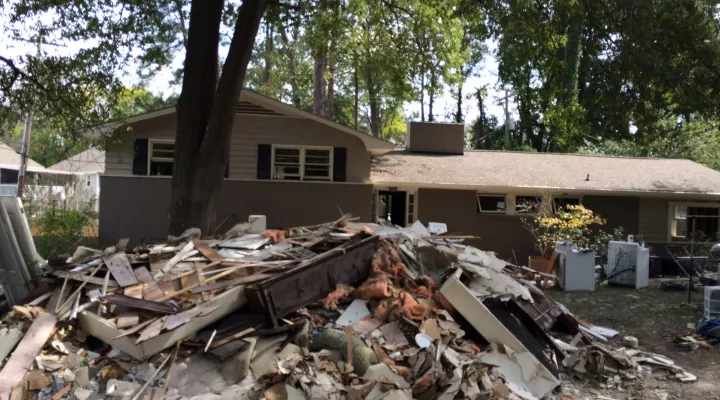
x,y
62,231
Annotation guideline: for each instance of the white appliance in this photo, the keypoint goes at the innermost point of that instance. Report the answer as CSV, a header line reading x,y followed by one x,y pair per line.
x,y
628,264
712,301
576,269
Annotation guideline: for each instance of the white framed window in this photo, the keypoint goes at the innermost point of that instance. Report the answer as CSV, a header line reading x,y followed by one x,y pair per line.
x,y
491,204
302,163
411,208
161,155
704,217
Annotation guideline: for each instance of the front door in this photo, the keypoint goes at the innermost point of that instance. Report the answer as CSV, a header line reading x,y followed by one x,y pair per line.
x,y
392,206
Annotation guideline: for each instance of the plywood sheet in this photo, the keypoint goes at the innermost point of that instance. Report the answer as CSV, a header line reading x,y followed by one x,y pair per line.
x,y
25,353
121,270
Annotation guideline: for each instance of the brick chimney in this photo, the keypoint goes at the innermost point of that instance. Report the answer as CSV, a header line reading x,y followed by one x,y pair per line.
x,y
434,137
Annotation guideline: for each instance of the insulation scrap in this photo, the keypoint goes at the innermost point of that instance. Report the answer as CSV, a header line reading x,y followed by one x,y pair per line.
x,y
276,235
342,292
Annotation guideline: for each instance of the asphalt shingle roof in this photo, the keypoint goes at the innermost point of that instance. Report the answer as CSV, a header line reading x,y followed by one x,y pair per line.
x,y
509,169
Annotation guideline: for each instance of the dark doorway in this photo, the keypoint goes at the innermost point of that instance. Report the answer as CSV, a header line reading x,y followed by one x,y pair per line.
x,y
392,206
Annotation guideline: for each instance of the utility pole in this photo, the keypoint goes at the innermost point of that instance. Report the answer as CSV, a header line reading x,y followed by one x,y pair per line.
x,y
505,100
25,145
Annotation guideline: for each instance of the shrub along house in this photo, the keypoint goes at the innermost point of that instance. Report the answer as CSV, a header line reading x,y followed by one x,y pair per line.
x,y
297,168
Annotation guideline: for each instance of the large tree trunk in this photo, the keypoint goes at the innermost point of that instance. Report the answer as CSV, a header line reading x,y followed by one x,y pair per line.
x,y
268,52
330,99
319,85
205,115
290,55
374,105
572,54
356,97
422,97
459,113
431,95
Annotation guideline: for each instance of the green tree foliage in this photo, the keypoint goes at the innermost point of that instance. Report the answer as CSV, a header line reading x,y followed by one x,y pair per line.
x,y
698,140
587,71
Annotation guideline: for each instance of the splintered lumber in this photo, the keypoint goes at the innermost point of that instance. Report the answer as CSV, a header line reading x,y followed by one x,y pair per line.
x,y
82,278
120,269
127,301
25,353
230,338
127,316
151,290
246,280
207,251
135,328
152,330
61,309
186,251
56,298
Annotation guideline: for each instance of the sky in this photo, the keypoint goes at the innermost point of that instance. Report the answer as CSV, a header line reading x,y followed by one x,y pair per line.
x,y
486,75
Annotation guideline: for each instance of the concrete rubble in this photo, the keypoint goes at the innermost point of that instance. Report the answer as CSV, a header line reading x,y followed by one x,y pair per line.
x,y
340,310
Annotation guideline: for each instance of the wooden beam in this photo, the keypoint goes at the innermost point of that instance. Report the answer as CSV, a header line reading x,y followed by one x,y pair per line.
x,y
207,251
25,353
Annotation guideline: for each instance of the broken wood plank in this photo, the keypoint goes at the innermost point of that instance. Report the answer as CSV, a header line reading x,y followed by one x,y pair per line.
x,y
127,316
122,244
201,280
62,309
173,321
135,328
207,251
62,392
184,253
25,353
56,299
246,280
141,304
120,268
230,338
151,330
151,288
83,278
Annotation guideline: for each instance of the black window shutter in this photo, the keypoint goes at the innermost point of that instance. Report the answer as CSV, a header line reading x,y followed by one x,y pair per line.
x,y
264,161
227,170
140,157
339,164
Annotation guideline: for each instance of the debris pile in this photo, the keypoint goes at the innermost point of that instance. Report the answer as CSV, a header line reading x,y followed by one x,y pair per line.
x,y
330,311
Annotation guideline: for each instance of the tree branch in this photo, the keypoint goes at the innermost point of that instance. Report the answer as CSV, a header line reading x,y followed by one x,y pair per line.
x,y
22,73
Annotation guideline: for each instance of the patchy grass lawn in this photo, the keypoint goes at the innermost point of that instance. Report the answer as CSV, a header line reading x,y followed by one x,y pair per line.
x,y
654,317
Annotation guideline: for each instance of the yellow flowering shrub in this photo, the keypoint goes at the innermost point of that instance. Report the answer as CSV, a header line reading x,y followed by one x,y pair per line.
x,y
576,224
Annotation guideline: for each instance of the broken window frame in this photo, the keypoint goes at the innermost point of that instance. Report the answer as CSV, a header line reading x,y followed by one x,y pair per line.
x,y
497,212
302,153
675,219
152,159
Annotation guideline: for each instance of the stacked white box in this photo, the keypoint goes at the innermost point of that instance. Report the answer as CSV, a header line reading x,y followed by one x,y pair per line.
x,y
712,301
628,264
576,270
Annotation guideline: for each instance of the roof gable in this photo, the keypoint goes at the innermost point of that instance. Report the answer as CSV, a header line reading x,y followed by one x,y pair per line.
x,y
88,161
253,103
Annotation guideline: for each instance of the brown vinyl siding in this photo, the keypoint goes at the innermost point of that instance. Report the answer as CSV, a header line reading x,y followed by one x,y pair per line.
x,y
248,132
138,207
618,211
653,220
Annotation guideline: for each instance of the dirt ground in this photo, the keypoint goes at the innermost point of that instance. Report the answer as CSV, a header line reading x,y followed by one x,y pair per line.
x,y
654,317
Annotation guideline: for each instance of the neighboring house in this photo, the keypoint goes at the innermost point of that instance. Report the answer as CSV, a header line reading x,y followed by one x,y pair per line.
x,y
10,165
298,168
86,168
